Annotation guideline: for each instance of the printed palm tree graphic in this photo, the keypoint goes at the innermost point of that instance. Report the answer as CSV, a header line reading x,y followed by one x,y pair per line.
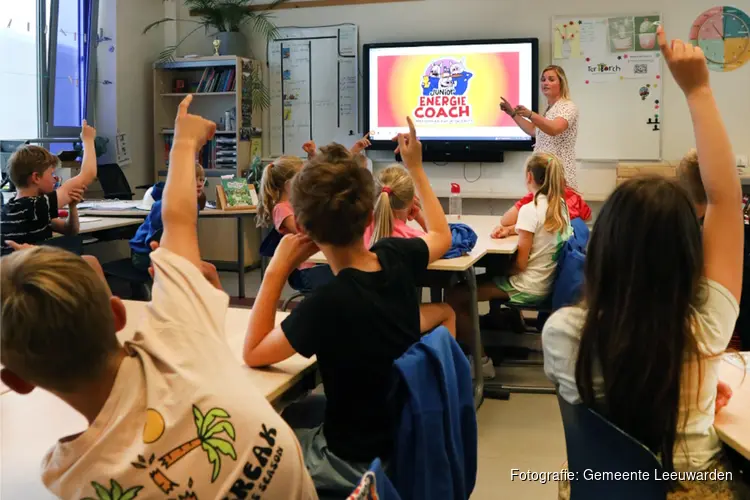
x,y
208,428
115,493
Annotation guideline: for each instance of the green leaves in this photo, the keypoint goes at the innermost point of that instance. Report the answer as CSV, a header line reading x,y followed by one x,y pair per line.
x,y
220,427
210,417
198,417
213,457
131,493
116,493
102,493
225,447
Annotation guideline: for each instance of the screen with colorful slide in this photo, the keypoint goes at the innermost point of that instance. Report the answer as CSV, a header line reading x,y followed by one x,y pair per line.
x,y
451,90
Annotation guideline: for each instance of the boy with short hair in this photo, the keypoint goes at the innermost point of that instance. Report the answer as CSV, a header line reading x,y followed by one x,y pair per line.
x,y
170,413
32,216
360,322
153,226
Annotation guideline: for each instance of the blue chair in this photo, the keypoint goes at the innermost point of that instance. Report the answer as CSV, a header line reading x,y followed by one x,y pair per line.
x,y
595,444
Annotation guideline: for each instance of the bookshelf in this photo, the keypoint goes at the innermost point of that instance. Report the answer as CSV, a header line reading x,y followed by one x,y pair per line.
x,y
217,85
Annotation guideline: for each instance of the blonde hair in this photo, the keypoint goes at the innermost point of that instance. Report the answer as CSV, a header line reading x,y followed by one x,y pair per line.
x,y
58,330
200,174
564,87
394,189
689,175
275,177
547,171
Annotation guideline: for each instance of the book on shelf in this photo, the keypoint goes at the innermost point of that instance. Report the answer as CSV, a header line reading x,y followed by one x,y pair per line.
x,y
236,194
217,80
213,154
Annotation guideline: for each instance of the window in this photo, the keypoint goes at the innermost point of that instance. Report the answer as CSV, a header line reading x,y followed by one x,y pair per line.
x,y
52,76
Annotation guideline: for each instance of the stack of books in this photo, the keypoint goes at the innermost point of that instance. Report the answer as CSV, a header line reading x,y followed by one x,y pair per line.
x,y
217,80
219,152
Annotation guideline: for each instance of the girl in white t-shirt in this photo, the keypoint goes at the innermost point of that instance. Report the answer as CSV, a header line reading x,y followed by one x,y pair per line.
x,y
543,226
644,348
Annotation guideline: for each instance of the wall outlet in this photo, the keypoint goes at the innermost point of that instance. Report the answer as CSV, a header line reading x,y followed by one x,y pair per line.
x,y
742,161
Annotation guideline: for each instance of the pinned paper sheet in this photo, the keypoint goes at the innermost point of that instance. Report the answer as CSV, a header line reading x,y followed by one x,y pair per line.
x,y
567,40
644,65
123,151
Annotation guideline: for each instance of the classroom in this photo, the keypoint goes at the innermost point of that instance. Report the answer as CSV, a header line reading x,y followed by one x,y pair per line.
x,y
477,249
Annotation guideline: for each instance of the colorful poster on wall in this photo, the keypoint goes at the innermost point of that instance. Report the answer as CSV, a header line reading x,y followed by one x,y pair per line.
x,y
621,34
645,39
592,34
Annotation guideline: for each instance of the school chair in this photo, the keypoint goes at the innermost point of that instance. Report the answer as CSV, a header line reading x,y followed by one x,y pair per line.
x,y
139,281
114,183
267,248
566,290
435,453
595,445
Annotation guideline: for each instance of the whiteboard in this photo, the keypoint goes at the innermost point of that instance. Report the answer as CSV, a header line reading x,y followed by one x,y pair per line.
x,y
313,84
614,69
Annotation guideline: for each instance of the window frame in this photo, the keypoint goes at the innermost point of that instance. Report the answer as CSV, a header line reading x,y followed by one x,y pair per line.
x,y
47,65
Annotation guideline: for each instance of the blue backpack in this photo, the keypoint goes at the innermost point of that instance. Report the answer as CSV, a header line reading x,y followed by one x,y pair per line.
x,y
569,282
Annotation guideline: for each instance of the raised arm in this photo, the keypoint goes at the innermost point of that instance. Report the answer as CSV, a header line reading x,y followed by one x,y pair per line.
x,y
438,237
525,125
179,200
88,167
722,227
553,127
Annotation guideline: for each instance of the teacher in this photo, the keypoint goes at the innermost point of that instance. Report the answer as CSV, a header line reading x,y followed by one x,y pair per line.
x,y
556,132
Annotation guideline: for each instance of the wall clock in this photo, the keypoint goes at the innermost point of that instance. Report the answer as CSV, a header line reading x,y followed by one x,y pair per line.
x,y
723,33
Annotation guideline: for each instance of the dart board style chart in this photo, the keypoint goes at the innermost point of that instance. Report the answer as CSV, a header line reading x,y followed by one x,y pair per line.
x,y
723,33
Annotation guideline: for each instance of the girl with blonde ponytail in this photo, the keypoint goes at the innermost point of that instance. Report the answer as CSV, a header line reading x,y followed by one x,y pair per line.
x,y
275,209
543,227
396,204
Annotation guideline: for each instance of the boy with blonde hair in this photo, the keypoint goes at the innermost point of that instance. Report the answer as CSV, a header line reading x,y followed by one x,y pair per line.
x,y
170,413
32,216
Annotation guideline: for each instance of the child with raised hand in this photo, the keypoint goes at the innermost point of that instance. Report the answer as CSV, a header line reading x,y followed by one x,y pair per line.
x,y
311,149
275,210
172,393
358,324
644,346
32,216
396,204
543,226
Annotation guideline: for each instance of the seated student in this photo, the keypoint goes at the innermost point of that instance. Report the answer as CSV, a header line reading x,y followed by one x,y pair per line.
x,y
689,175
577,207
174,393
395,205
358,324
152,227
274,208
32,216
644,346
543,226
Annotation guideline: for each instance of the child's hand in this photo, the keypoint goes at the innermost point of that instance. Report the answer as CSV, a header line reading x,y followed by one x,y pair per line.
x,y
361,144
88,133
410,147
76,196
310,148
293,250
415,209
18,246
192,128
686,62
500,232
723,395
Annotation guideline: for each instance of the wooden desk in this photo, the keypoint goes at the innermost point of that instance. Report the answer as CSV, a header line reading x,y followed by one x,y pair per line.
x,y
732,423
30,425
102,224
214,245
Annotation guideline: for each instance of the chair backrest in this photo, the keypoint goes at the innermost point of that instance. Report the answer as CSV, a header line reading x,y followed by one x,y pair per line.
x,y
270,242
596,446
113,181
568,284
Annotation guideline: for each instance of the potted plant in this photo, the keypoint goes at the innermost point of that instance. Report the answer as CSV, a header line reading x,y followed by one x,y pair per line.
x,y
223,19
647,35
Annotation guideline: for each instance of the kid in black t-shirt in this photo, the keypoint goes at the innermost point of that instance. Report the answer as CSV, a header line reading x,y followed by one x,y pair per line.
x,y
359,323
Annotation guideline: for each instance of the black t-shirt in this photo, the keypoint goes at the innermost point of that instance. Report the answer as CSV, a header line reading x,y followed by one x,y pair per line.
x,y
27,220
358,325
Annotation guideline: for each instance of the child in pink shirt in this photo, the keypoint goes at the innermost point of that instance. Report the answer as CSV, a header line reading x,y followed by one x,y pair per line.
x,y
275,208
395,206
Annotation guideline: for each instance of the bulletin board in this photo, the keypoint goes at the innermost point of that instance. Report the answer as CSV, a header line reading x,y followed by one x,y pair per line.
x,y
614,69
